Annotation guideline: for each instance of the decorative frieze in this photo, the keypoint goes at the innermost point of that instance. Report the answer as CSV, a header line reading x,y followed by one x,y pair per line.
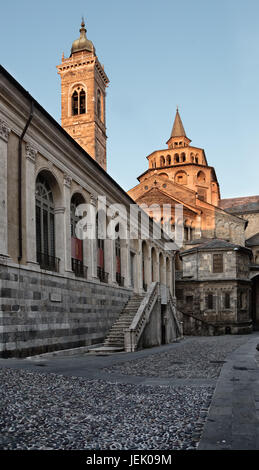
x,y
4,130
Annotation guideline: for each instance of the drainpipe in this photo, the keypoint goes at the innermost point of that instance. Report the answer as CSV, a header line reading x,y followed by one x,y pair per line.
x,y
20,182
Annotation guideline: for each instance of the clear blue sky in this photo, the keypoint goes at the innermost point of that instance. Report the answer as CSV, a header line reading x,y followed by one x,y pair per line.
x,y
202,55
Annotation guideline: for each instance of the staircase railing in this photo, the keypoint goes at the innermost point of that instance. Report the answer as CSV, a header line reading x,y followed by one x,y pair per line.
x,y
133,334
203,322
174,311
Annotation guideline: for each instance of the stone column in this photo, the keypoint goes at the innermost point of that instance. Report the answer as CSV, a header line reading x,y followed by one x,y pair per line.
x,y
60,236
163,272
4,135
110,259
125,262
67,223
30,186
148,267
139,269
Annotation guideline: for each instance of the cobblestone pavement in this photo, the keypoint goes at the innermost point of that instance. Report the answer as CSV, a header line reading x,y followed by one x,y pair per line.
x,y
53,411
191,358
47,411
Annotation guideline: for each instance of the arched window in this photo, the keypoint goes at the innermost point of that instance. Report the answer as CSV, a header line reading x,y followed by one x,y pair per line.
x,y
183,157
78,101
75,103
181,177
168,160
99,105
176,158
45,225
76,244
201,177
162,160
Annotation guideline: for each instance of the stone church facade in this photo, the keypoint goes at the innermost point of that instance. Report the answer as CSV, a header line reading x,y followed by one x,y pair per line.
x,y
59,291
217,281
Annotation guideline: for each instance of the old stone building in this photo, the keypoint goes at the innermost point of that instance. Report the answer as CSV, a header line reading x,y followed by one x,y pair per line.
x,y
181,175
58,289
214,290
248,209
213,228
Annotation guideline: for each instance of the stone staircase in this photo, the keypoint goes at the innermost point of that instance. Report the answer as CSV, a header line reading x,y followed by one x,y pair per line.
x,y
114,341
115,336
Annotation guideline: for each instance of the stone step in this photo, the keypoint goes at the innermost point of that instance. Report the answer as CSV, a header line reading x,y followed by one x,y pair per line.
x,y
106,350
115,337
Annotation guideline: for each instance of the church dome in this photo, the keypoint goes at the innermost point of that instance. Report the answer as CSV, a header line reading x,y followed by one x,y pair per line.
x,y
82,44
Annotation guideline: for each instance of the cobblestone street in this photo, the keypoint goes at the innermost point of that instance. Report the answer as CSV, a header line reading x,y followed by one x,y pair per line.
x,y
89,402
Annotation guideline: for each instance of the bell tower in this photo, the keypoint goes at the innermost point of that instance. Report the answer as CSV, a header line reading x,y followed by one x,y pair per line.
x,y
83,85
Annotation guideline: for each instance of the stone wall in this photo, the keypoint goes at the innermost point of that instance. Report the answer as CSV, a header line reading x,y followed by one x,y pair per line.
x,y
41,311
152,333
192,301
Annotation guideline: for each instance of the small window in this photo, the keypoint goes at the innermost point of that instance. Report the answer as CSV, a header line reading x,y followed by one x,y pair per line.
x,y
227,300
189,300
210,302
218,263
99,104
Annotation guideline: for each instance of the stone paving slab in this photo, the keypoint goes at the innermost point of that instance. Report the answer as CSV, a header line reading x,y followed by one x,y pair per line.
x,y
233,421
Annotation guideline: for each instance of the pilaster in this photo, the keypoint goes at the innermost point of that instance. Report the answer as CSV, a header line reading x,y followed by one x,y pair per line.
x,y
4,135
30,187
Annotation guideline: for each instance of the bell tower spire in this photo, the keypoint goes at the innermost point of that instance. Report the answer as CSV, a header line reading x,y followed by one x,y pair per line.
x,y
83,92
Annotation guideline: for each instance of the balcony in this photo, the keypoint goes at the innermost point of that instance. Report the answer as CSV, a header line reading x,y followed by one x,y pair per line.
x,y
103,276
120,279
48,262
78,268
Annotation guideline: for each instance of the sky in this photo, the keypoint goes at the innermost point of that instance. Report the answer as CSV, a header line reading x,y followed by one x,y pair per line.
x,y
199,55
